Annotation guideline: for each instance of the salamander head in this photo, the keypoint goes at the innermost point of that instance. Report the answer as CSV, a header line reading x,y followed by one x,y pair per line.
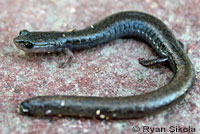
x,y
36,42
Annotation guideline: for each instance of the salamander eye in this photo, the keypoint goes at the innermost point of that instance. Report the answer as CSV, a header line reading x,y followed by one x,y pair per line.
x,y
28,45
23,32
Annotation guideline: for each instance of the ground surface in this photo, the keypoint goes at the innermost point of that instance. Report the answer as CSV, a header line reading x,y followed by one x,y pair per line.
x,y
111,70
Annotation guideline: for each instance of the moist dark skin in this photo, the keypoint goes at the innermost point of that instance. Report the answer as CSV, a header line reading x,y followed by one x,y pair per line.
x,y
122,24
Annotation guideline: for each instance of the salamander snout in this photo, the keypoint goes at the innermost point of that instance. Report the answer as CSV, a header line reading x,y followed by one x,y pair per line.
x,y
23,32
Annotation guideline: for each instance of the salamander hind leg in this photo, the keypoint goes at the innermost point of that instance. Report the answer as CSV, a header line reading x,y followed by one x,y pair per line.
x,y
152,62
181,44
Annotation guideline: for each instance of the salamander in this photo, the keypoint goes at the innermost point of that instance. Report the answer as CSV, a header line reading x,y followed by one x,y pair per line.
x,y
123,24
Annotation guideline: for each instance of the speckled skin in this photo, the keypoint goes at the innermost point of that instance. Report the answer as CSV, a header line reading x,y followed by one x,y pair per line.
x,y
123,24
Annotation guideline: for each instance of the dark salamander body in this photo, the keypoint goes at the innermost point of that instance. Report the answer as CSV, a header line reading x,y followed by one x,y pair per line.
x,y
123,24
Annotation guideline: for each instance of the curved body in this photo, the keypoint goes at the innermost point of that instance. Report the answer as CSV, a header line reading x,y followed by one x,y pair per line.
x,y
123,24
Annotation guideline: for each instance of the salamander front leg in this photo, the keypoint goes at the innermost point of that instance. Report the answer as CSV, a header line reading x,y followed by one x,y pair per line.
x,y
69,60
152,62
